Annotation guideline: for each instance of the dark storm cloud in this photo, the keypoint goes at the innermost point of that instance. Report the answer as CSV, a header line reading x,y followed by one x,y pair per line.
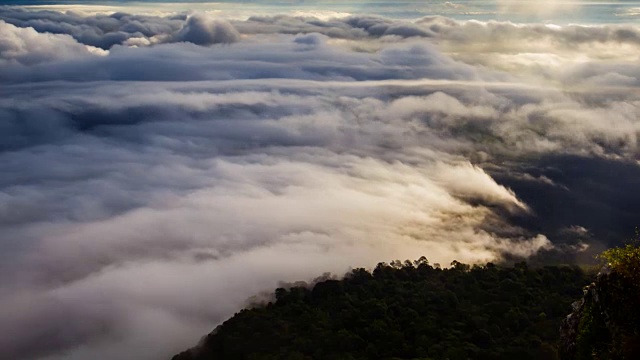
x,y
148,191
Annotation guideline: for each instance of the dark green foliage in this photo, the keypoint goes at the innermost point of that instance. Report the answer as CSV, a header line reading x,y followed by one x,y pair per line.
x,y
625,260
609,327
407,311
592,335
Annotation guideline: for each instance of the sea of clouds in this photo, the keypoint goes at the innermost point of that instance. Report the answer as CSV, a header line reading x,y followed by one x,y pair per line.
x,y
158,168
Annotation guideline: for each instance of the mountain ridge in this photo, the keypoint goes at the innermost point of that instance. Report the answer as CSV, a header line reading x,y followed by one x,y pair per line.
x,y
409,310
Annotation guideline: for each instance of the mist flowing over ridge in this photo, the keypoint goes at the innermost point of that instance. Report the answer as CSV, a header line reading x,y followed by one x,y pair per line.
x,y
159,166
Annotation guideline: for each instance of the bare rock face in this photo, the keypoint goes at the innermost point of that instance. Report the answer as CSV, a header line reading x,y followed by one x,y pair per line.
x,y
569,329
605,323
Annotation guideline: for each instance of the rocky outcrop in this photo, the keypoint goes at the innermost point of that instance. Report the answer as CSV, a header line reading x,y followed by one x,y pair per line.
x,y
605,323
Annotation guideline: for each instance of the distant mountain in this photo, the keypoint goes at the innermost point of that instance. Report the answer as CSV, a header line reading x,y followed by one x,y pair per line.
x,y
409,310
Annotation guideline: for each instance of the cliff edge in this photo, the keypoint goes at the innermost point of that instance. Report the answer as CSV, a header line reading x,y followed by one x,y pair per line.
x,y
605,323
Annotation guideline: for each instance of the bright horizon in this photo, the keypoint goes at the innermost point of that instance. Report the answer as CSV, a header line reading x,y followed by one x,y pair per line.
x,y
549,11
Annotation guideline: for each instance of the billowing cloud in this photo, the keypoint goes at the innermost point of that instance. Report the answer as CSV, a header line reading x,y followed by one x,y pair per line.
x,y
99,30
28,47
204,30
149,188
198,180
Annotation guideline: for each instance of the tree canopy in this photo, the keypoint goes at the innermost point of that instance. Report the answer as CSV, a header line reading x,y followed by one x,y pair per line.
x,y
407,310
624,260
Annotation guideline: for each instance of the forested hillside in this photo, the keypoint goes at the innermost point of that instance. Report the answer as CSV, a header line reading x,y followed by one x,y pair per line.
x,y
409,310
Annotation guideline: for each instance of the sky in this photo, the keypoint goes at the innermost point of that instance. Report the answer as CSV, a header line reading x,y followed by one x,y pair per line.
x,y
163,165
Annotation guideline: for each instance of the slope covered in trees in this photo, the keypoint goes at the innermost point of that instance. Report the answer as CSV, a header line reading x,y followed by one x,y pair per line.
x,y
408,310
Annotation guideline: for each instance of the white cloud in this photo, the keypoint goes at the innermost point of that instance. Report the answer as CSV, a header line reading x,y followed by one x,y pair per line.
x,y
206,30
28,47
138,186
